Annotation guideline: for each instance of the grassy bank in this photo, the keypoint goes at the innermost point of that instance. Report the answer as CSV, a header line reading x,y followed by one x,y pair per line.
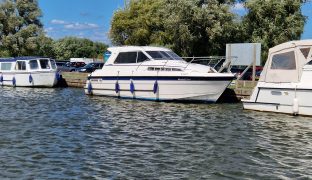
x,y
74,79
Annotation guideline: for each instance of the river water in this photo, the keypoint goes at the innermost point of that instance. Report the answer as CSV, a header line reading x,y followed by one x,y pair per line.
x,y
64,134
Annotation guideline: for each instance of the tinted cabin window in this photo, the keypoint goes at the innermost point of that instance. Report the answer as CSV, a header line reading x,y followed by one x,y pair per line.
x,y
44,63
126,57
33,64
155,54
6,66
305,51
284,61
141,57
20,65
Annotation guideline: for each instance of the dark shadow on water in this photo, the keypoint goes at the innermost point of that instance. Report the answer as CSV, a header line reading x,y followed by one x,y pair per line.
x,y
228,96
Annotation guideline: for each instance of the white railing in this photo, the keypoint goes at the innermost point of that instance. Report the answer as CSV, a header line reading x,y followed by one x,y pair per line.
x,y
219,63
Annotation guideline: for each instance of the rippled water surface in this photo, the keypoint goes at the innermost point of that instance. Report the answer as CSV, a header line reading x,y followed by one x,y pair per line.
x,y
64,134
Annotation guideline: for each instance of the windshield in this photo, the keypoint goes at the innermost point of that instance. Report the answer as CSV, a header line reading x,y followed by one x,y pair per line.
x,y
163,55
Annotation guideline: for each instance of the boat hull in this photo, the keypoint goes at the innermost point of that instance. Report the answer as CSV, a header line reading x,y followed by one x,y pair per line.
x,y
29,79
167,89
290,100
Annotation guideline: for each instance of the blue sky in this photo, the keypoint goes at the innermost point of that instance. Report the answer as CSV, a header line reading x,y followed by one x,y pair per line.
x,y
81,18
91,18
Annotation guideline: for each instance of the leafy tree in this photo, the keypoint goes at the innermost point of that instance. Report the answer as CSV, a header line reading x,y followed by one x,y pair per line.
x,y
189,27
200,27
28,9
46,46
139,23
20,27
273,22
70,47
203,27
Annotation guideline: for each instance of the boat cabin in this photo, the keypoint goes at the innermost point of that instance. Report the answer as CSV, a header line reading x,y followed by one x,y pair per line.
x,y
134,54
286,61
26,64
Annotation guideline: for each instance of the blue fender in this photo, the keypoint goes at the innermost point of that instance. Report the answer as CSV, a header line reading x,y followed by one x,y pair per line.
x,y
14,81
30,78
155,88
89,88
58,76
132,89
117,87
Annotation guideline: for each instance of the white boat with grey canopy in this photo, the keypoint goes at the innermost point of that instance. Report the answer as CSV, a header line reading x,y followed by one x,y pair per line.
x,y
285,84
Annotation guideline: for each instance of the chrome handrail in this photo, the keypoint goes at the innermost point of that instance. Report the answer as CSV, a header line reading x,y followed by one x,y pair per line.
x,y
213,61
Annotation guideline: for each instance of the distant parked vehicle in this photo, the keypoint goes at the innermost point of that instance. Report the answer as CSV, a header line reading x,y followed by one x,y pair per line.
x,y
70,66
60,65
91,67
248,73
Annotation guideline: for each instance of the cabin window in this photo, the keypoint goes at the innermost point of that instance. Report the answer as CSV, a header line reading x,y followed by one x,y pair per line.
x,y
174,55
53,64
130,57
107,54
159,55
164,55
305,51
284,61
126,57
141,57
6,66
20,65
44,63
162,69
33,64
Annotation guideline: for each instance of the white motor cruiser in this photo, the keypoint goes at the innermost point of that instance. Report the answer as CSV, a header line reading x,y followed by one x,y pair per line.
x,y
285,84
28,72
155,73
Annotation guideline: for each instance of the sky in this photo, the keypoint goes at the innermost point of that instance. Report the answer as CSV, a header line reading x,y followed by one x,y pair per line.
x,y
91,18
80,18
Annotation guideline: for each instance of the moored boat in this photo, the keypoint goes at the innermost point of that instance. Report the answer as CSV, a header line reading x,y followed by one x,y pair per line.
x,y
155,73
285,84
28,72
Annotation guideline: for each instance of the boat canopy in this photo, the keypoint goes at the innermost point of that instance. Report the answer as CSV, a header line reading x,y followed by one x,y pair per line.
x,y
285,62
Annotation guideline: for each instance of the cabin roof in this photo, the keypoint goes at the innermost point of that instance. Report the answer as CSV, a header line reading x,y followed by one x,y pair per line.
x,y
137,48
12,59
291,44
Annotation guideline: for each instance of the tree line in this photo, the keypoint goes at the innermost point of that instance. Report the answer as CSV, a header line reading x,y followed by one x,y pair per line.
x,y
189,27
203,27
22,34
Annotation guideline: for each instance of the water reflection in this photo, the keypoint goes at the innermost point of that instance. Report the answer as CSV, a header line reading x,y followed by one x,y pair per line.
x,y
64,134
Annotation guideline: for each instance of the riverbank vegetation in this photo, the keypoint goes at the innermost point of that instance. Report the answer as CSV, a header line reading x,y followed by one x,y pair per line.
x,y
202,27
189,27
22,34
